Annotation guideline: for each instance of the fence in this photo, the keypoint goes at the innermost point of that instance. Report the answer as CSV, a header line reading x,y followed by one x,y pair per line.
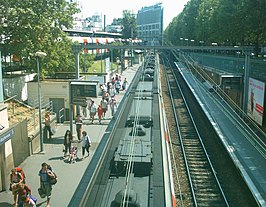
x,y
231,64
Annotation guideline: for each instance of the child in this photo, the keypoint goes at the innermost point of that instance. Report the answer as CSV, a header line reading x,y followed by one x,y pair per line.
x,y
72,155
100,113
27,201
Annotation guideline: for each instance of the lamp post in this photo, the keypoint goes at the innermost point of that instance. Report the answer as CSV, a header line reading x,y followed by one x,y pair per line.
x,y
40,55
186,41
192,41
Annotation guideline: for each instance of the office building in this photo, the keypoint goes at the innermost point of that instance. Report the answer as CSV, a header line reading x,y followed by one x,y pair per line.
x,y
150,24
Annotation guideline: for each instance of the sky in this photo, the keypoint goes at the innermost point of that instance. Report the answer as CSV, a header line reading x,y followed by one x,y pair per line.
x,y
113,9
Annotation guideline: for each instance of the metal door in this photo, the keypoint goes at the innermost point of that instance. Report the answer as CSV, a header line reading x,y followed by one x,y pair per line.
x,y
59,108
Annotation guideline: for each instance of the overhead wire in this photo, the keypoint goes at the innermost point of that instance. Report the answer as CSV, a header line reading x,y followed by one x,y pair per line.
x,y
130,163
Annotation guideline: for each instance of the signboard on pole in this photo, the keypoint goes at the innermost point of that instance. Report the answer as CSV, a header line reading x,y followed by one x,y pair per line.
x,y
81,90
256,100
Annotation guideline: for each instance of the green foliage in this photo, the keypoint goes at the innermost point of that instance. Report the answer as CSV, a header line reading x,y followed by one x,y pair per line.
x,y
31,26
85,66
116,53
227,22
129,23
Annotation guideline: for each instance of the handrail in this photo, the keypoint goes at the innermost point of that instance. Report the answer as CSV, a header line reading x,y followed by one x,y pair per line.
x,y
61,116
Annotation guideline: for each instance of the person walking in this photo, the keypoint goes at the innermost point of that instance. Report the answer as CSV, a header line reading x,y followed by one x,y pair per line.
x,y
124,85
47,126
117,86
68,138
93,110
45,173
112,92
16,178
28,202
24,191
112,106
86,143
78,123
104,104
100,113
84,109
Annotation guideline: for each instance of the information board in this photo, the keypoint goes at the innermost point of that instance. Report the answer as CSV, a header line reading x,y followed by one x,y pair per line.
x,y
81,91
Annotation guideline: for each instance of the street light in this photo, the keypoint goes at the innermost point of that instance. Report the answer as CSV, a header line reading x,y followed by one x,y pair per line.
x,y
181,39
40,55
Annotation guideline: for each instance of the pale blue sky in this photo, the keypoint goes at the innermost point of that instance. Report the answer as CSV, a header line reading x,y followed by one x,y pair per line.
x,y
113,9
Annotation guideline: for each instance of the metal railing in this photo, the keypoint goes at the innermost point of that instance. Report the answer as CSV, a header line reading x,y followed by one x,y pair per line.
x,y
61,114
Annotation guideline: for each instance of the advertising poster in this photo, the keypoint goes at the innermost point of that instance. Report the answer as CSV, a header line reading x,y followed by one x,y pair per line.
x,y
256,100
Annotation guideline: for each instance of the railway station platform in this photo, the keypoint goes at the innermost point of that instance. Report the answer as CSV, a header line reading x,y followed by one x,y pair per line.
x,y
240,141
69,175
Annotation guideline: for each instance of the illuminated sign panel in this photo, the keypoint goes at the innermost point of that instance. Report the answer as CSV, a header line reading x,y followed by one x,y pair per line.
x,y
81,91
256,100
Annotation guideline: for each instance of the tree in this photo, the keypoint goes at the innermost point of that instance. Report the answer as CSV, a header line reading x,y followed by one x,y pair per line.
x,y
227,22
31,26
129,23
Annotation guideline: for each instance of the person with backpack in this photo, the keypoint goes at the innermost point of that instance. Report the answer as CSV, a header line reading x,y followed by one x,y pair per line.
x,y
45,189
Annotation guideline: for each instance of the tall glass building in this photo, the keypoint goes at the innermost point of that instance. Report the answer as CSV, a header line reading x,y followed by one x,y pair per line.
x,y
150,24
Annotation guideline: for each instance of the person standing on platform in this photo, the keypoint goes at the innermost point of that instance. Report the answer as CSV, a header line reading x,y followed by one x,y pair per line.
x,y
47,125
86,143
78,123
68,138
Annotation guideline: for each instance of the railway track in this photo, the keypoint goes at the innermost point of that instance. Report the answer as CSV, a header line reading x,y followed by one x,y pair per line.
x,y
203,187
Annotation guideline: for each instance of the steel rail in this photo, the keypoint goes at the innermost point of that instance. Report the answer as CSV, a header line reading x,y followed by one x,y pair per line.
x,y
186,139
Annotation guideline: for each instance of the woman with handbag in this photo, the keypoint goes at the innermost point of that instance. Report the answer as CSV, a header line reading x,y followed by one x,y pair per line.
x,y
86,143
45,186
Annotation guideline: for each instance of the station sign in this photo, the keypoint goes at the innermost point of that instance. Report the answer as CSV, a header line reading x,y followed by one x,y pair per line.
x,y
6,136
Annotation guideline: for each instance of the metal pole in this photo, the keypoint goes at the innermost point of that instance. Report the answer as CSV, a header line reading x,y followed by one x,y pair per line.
x,y
76,49
131,62
84,70
112,59
101,62
247,52
40,104
70,108
1,83
76,53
